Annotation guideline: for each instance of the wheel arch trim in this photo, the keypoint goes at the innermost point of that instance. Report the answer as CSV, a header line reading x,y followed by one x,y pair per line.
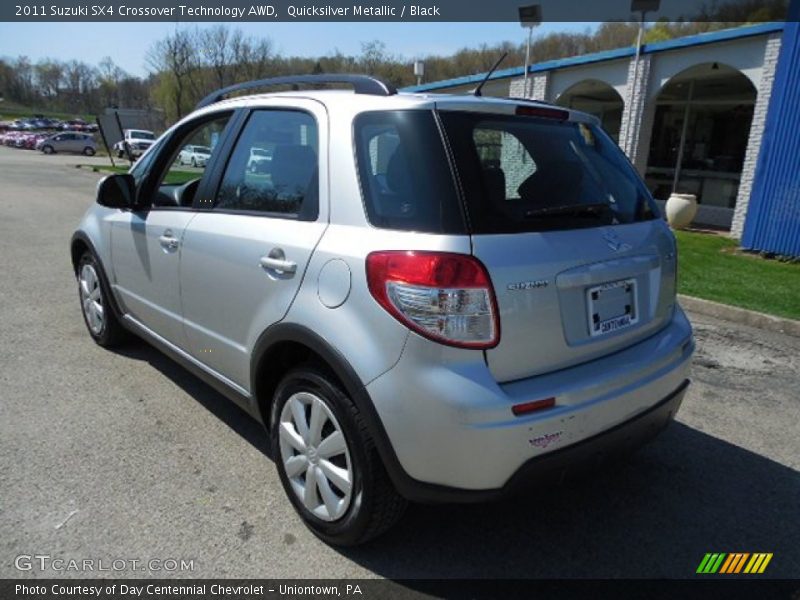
x,y
354,387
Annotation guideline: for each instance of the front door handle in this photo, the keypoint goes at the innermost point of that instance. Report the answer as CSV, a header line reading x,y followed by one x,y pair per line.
x,y
168,241
276,261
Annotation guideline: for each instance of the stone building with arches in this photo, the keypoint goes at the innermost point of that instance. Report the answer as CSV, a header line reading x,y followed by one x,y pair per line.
x,y
690,112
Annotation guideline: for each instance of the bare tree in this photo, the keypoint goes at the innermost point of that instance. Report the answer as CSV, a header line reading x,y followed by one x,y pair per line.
x,y
217,50
176,57
49,76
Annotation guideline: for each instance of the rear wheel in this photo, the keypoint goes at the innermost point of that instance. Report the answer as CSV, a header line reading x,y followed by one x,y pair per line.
x,y
88,151
327,461
102,323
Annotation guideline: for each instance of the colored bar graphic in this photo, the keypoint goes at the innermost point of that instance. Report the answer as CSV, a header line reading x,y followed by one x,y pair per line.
x,y
765,563
740,563
733,563
757,558
703,563
711,562
727,564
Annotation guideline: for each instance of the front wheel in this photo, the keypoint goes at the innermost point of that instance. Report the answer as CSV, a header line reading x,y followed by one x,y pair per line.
x,y
102,323
88,151
48,149
327,461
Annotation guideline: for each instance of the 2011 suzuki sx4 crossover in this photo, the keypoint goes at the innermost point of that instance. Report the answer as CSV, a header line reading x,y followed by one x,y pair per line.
x,y
422,297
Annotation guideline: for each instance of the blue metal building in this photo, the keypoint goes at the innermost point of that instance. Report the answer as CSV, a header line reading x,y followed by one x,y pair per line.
x,y
773,216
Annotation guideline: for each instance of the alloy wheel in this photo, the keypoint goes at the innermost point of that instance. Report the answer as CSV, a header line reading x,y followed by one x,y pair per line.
x,y
92,299
315,456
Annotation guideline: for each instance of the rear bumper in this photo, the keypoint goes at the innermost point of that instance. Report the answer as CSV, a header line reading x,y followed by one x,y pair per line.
x,y
554,467
450,426
582,456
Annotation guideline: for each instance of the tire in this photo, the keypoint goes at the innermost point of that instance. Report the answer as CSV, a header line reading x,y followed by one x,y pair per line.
x,y
372,505
88,151
194,163
104,327
48,150
120,153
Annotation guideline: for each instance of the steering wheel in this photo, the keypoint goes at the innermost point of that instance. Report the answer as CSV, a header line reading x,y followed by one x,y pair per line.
x,y
183,195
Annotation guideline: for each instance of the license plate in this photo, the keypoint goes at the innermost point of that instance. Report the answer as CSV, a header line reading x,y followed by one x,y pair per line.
x,y
612,306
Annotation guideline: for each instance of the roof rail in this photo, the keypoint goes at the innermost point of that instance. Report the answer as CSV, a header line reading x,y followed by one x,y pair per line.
x,y
362,84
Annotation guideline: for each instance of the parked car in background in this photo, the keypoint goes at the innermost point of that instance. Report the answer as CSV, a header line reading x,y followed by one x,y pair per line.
x,y
197,156
69,141
136,141
260,159
74,125
22,125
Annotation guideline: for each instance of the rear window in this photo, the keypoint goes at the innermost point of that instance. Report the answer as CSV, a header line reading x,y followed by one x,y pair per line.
x,y
524,173
405,176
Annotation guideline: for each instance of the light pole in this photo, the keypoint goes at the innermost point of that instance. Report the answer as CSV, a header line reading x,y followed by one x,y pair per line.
x,y
529,17
642,7
419,71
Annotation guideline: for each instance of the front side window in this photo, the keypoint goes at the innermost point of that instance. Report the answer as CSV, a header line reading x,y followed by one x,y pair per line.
x,y
283,180
184,166
163,178
522,173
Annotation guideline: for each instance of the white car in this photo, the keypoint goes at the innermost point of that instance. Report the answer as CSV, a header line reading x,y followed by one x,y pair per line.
x,y
136,141
259,160
197,156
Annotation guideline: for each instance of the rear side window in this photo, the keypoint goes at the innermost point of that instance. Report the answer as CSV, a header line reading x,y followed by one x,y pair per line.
x,y
283,183
405,177
524,173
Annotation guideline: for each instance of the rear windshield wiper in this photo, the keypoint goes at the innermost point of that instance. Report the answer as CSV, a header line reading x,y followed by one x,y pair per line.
x,y
577,210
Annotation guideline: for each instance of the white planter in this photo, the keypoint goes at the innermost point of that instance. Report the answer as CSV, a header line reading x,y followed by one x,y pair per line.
x,y
681,210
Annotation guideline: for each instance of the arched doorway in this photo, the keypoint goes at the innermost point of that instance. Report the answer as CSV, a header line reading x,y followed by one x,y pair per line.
x,y
597,98
699,137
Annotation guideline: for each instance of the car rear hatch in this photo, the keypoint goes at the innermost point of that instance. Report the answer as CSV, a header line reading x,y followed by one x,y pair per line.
x,y
580,261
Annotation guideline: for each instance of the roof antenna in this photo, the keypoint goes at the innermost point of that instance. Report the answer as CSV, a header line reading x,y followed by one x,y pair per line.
x,y
477,91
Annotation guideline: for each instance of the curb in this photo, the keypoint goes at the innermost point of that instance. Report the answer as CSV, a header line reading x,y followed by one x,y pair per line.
x,y
740,315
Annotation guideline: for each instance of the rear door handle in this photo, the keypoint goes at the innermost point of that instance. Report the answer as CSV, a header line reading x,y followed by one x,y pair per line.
x,y
276,261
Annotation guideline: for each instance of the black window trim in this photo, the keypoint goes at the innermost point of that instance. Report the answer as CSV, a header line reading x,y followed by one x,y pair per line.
x,y
246,114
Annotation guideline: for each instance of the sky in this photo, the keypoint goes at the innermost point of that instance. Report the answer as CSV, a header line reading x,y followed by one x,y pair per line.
x,y
127,43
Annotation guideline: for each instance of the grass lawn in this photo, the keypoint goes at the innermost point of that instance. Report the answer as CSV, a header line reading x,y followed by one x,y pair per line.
x,y
711,267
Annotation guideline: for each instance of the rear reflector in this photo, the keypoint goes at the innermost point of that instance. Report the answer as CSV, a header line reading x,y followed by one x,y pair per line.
x,y
543,112
529,407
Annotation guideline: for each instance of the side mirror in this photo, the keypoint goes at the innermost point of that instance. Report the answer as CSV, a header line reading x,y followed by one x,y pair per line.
x,y
116,191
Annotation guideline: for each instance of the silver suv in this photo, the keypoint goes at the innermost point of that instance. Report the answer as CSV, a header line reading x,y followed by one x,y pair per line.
x,y
422,297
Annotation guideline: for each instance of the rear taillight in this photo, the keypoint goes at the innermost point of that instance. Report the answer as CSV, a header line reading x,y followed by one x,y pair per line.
x,y
445,297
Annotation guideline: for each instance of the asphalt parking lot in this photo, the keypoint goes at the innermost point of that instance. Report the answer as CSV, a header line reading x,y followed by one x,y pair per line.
x,y
125,455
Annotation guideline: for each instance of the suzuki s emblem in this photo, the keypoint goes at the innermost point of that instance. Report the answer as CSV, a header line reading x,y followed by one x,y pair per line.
x,y
613,241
